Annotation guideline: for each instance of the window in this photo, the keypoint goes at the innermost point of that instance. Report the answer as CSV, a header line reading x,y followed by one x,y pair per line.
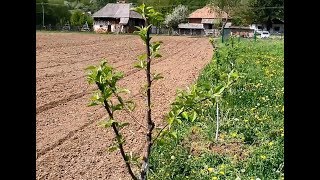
x,y
277,28
210,26
259,27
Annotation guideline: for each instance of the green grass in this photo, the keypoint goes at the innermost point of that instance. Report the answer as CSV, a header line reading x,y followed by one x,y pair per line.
x,y
251,142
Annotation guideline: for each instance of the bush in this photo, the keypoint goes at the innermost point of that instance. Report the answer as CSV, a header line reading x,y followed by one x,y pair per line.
x,y
79,18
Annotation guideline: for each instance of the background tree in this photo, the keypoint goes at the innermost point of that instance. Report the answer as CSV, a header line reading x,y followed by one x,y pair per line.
x,y
241,15
163,6
167,6
263,11
98,4
55,12
226,6
179,15
192,4
79,18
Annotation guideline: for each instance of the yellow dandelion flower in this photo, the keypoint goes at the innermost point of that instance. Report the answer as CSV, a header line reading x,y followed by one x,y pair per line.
x,y
214,178
210,169
282,134
234,134
263,157
221,172
270,143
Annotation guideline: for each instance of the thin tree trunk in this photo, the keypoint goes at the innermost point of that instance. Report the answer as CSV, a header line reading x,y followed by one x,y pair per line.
x,y
149,120
217,129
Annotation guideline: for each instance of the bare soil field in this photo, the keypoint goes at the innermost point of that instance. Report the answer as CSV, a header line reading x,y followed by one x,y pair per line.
x,y
70,144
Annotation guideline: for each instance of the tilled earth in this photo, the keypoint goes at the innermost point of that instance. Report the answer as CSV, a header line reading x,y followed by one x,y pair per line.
x,y
70,144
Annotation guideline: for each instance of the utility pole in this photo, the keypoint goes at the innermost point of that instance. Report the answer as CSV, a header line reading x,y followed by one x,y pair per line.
x,y
42,14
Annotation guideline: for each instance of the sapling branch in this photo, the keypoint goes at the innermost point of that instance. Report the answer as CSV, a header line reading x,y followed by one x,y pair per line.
x,y
117,133
125,107
154,140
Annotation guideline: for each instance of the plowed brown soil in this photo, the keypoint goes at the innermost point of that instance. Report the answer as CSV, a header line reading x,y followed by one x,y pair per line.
x,y
70,144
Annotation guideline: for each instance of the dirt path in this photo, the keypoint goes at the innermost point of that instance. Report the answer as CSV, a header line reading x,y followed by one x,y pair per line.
x,y
70,145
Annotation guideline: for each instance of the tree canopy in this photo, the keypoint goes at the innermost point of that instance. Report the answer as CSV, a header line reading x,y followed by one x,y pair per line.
x,y
263,11
179,15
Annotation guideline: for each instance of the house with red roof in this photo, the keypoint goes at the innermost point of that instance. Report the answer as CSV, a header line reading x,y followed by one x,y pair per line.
x,y
201,21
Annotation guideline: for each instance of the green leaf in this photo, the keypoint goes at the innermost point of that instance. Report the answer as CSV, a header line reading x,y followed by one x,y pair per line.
x,y
148,27
121,125
130,105
235,75
179,111
91,68
157,55
161,142
98,76
142,57
170,120
118,75
122,90
138,27
157,77
155,46
185,115
174,135
194,116
117,107
120,139
103,63
171,114
106,124
219,89
113,148
143,37
142,63
93,103
178,120
138,65
134,159
95,96
107,93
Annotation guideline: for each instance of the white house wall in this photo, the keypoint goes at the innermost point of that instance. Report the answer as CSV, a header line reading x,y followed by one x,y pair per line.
x,y
272,31
104,25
